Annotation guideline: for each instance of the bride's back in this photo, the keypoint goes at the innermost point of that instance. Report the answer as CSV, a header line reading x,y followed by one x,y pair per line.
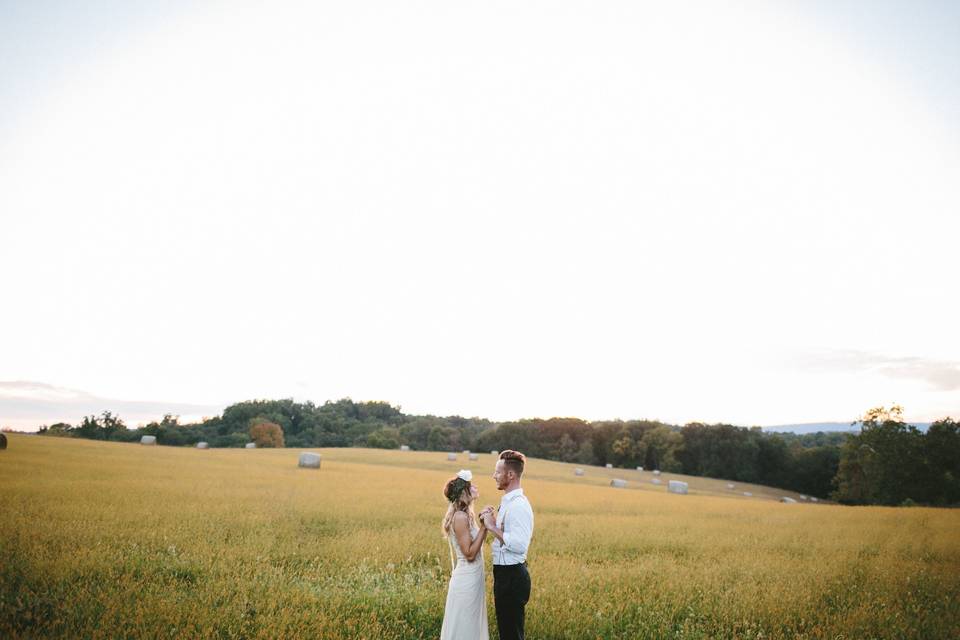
x,y
461,559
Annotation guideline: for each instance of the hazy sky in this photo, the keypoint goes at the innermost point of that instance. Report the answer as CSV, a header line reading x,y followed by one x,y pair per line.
x,y
747,213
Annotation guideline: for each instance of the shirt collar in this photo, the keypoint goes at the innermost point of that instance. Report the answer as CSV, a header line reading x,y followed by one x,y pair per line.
x,y
513,494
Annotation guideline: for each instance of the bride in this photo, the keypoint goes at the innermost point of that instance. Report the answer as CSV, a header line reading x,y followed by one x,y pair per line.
x,y
465,615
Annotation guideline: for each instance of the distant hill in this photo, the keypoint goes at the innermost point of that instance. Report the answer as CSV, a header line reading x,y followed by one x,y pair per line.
x,y
814,427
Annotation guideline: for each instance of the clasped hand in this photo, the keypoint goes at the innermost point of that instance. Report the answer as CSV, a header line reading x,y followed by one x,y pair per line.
x,y
488,517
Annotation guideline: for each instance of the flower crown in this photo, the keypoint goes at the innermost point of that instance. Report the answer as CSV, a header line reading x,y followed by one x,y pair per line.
x,y
462,481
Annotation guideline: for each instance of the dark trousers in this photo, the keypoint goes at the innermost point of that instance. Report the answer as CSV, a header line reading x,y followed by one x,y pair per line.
x,y
511,590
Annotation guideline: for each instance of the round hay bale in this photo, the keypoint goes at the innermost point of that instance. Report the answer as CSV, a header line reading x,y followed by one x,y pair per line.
x,y
451,457
676,486
812,499
609,466
474,457
250,445
404,447
466,452
639,468
148,440
494,452
786,500
655,481
309,460
578,472
803,497
618,483
3,441
731,486
203,445
656,472
747,493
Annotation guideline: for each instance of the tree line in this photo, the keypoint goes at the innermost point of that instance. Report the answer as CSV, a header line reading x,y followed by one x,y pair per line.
x,y
893,463
887,462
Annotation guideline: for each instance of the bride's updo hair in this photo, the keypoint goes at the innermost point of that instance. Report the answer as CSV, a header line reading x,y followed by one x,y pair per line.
x,y
457,492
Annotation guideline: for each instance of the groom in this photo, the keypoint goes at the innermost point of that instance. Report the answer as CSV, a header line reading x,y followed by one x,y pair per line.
x,y
512,528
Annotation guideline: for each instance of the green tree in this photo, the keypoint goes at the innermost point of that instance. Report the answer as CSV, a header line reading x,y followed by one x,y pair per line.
x,y
113,427
567,448
59,429
89,427
385,438
585,453
943,461
884,463
811,470
662,448
106,426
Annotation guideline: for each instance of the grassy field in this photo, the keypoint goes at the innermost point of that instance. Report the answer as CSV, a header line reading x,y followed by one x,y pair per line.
x,y
107,540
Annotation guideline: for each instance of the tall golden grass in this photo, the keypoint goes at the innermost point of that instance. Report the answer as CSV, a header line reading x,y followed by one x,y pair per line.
x,y
107,540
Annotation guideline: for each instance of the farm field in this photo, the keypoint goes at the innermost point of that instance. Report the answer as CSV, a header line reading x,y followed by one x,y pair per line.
x,y
110,540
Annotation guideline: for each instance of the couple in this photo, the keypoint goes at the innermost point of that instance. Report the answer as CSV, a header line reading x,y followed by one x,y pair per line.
x,y
465,615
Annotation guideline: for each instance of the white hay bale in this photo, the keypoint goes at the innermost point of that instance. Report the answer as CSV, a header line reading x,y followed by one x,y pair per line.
x,y
250,445
656,472
787,500
655,481
578,472
309,460
676,486
494,452
466,452
730,486
812,499
451,457
747,493
148,440
203,445
474,457
609,466
404,447
802,497
639,468
618,483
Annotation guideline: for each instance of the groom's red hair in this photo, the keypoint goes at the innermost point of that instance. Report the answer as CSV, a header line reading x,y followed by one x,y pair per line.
x,y
514,461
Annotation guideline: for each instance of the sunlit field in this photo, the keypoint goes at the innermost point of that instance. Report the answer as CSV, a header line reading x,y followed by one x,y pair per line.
x,y
109,540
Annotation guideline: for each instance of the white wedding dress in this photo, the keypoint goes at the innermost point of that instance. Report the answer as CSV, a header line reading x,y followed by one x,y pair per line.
x,y
465,616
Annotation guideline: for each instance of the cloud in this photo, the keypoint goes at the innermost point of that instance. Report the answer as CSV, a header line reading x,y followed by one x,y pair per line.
x,y
27,405
939,374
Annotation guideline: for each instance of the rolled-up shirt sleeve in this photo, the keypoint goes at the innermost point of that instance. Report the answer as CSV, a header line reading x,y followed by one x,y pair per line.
x,y
518,529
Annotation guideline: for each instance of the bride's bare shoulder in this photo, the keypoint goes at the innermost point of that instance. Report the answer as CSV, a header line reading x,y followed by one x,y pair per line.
x,y
460,520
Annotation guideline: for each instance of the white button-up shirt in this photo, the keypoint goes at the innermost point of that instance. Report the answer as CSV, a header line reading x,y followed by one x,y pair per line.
x,y
515,519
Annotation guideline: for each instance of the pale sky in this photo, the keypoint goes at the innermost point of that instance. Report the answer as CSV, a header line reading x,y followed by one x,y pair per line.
x,y
745,213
